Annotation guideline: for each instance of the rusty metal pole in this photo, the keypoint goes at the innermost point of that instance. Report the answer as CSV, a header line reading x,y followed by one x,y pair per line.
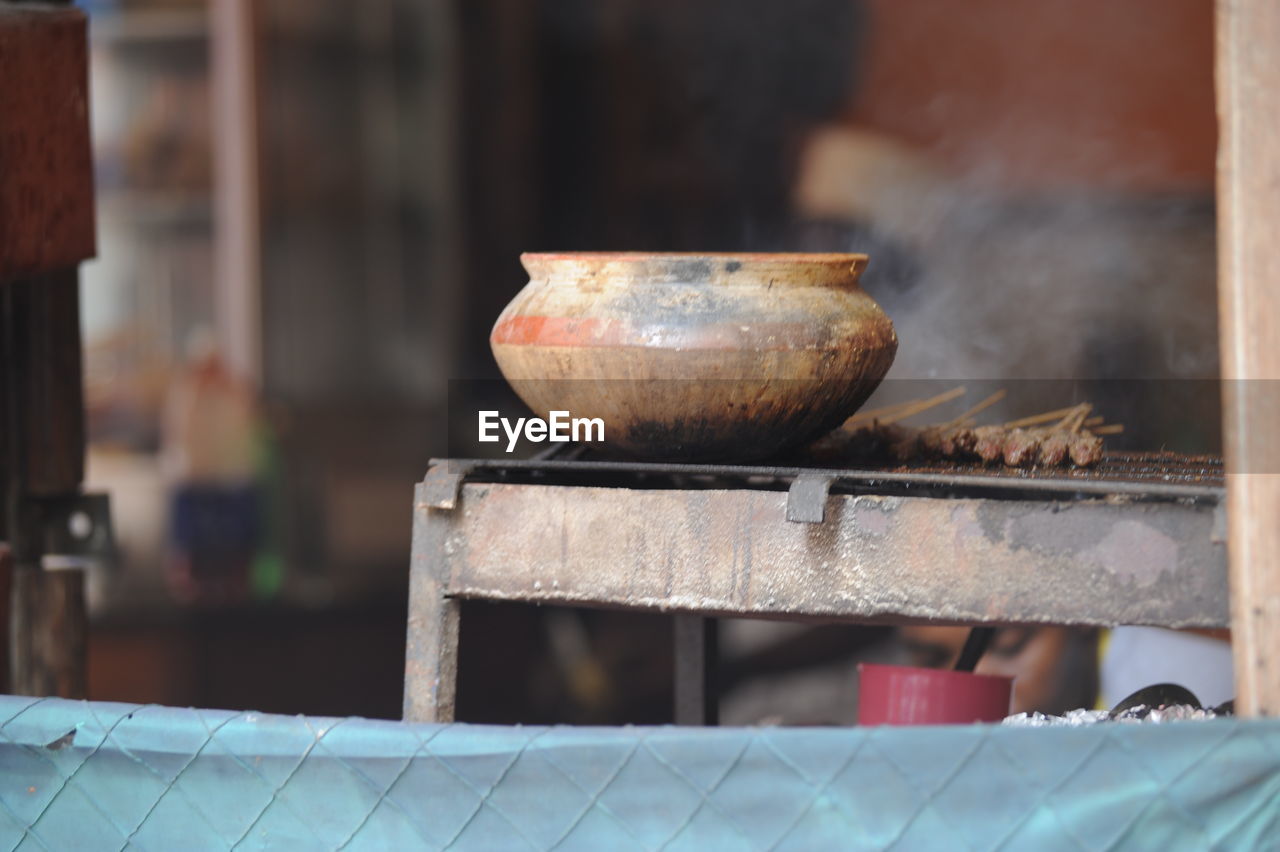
x,y
50,641
696,650
431,647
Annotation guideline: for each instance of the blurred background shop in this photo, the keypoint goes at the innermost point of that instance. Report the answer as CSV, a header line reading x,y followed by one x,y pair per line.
x,y
310,213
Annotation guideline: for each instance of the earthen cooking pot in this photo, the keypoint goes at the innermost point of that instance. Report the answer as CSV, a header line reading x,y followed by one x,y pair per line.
x,y
696,357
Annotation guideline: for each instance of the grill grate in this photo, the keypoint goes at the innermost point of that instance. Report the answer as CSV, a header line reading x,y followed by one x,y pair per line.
x,y
1150,476
1157,467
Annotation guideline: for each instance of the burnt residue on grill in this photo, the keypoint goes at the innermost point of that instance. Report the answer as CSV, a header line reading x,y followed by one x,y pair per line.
x,y
1130,476
1120,467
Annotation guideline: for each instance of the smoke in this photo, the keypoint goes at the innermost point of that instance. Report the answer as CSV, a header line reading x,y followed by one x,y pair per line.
x,y
1058,296
1060,201
1074,286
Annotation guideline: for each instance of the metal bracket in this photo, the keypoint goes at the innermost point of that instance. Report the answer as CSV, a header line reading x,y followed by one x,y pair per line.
x,y
807,498
75,525
1218,535
443,484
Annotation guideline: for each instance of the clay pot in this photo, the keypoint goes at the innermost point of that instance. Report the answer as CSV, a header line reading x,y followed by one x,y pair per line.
x,y
696,357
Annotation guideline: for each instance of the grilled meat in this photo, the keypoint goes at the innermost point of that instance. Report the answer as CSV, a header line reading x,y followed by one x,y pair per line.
x,y
1016,447
1085,449
1054,449
1021,448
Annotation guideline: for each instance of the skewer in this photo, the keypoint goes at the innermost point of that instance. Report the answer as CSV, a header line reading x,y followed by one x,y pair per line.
x,y
1051,443
923,405
868,415
899,410
1078,421
1072,422
872,413
882,411
1046,417
982,406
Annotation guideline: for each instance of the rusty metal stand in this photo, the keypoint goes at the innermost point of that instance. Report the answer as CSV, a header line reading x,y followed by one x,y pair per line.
x,y
695,687
634,537
431,651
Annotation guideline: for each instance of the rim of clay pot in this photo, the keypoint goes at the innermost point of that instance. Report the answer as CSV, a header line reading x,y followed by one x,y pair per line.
x,y
794,268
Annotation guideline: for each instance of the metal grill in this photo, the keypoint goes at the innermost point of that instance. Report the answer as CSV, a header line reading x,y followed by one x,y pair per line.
x,y
1133,473
1141,476
1136,539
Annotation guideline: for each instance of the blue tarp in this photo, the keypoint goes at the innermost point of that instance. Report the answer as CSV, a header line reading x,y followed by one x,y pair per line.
x,y
86,776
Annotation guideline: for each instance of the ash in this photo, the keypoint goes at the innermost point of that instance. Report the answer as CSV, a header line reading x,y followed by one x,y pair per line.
x,y
1140,713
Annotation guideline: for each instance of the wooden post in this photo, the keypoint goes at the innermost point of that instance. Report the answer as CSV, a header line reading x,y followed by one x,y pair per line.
x,y
47,389
46,230
237,249
1248,80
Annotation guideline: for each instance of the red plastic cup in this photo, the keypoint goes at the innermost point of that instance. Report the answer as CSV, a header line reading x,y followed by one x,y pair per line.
x,y
902,695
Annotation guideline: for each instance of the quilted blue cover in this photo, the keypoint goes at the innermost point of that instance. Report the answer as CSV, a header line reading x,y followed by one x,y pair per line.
x,y
85,776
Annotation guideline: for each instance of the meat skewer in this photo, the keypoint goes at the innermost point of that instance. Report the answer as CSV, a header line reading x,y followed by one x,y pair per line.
x,y
1022,448
1075,438
946,440
1086,449
902,410
1048,447
1055,449
883,434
